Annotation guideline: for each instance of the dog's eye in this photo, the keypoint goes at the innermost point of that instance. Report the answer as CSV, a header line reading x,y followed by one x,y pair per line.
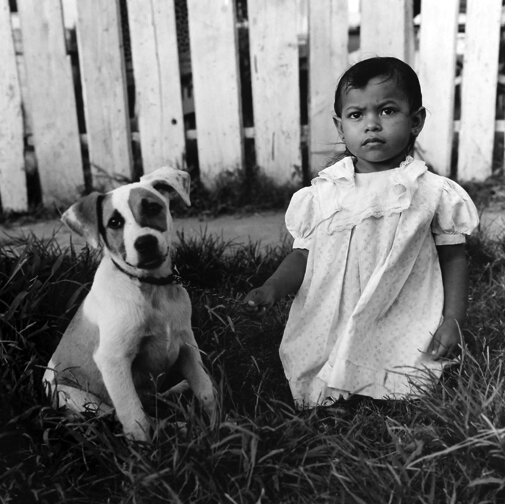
x,y
151,209
116,221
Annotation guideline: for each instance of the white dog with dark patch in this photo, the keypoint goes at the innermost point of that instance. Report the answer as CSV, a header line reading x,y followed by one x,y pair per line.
x,y
135,323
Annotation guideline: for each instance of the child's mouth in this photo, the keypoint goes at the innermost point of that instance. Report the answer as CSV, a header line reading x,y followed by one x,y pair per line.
x,y
373,141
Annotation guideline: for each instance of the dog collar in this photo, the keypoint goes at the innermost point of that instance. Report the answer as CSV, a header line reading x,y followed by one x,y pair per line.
x,y
171,279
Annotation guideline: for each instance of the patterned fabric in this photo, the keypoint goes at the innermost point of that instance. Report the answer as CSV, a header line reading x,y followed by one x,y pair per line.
x,y
372,295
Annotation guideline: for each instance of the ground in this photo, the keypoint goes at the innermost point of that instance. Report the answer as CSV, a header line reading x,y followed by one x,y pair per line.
x,y
265,227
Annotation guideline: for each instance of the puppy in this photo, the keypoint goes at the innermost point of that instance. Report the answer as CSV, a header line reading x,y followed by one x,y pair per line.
x,y
135,323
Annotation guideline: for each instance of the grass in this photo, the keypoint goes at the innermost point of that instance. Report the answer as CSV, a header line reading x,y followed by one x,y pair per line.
x,y
447,447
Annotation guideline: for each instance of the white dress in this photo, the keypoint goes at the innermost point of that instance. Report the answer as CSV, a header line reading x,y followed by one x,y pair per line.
x,y
372,295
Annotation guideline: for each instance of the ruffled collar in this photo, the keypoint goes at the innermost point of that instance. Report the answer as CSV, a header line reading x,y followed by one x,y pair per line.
x,y
344,169
333,196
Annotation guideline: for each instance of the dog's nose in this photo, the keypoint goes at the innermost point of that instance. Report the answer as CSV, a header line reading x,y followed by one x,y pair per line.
x,y
146,243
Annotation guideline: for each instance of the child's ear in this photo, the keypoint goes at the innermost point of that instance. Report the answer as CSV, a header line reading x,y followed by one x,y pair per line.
x,y
418,118
337,121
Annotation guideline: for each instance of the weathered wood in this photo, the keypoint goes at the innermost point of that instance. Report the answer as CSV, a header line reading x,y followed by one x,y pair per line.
x,y
478,94
21,68
13,194
275,85
328,59
437,71
53,108
216,87
69,14
104,88
157,83
42,86
387,29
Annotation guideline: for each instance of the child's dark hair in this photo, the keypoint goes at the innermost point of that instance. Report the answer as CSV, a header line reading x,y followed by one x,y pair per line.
x,y
361,73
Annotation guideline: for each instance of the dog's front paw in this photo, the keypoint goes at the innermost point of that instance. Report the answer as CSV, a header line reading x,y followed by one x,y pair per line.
x,y
138,430
209,403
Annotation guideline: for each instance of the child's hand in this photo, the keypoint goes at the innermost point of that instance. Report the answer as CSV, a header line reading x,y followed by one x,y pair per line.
x,y
258,300
445,340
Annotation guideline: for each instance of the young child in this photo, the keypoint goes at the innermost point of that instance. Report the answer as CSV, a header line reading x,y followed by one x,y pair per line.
x,y
378,260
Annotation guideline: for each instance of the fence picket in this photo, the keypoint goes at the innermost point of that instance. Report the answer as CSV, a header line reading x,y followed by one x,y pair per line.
x,y
216,87
478,93
104,91
437,71
328,59
157,82
53,106
387,29
276,95
38,106
13,195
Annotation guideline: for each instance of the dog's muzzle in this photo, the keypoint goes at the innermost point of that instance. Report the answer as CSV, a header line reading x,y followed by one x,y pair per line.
x,y
149,254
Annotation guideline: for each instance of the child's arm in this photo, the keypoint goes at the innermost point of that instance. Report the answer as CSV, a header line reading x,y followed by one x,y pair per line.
x,y
454,268
287,279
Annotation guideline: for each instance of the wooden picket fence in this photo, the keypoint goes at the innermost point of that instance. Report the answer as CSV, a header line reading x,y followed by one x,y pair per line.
x,y
69,119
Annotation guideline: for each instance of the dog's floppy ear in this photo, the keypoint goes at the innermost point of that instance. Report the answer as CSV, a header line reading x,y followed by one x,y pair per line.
x,y
83,218
167,179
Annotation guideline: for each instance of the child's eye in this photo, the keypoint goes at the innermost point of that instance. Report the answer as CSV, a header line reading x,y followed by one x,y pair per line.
x,y
354,115
388,111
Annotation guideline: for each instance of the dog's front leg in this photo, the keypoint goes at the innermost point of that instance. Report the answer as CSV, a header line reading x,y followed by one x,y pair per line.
x,y
191,367
114,360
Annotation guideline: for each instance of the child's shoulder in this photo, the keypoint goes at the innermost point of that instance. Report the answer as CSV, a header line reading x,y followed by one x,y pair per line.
x,y
440,181
433,179
448,195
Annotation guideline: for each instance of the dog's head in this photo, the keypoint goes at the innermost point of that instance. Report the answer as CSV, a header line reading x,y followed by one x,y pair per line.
x,y
133,223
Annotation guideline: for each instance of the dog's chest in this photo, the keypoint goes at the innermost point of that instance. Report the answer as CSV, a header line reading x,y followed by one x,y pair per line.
x,y
134,314
167,305
159,335
155,313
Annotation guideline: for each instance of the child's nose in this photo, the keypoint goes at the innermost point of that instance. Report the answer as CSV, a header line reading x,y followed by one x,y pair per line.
x,y
372,122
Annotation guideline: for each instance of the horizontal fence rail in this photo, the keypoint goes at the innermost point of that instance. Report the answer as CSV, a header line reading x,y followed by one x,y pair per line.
x,y
94,93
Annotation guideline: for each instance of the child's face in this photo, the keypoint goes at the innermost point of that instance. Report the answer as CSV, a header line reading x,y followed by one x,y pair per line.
x,y
377,124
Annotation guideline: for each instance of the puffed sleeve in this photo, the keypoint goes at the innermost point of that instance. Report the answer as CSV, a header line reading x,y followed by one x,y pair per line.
x,y
301,217
456,215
